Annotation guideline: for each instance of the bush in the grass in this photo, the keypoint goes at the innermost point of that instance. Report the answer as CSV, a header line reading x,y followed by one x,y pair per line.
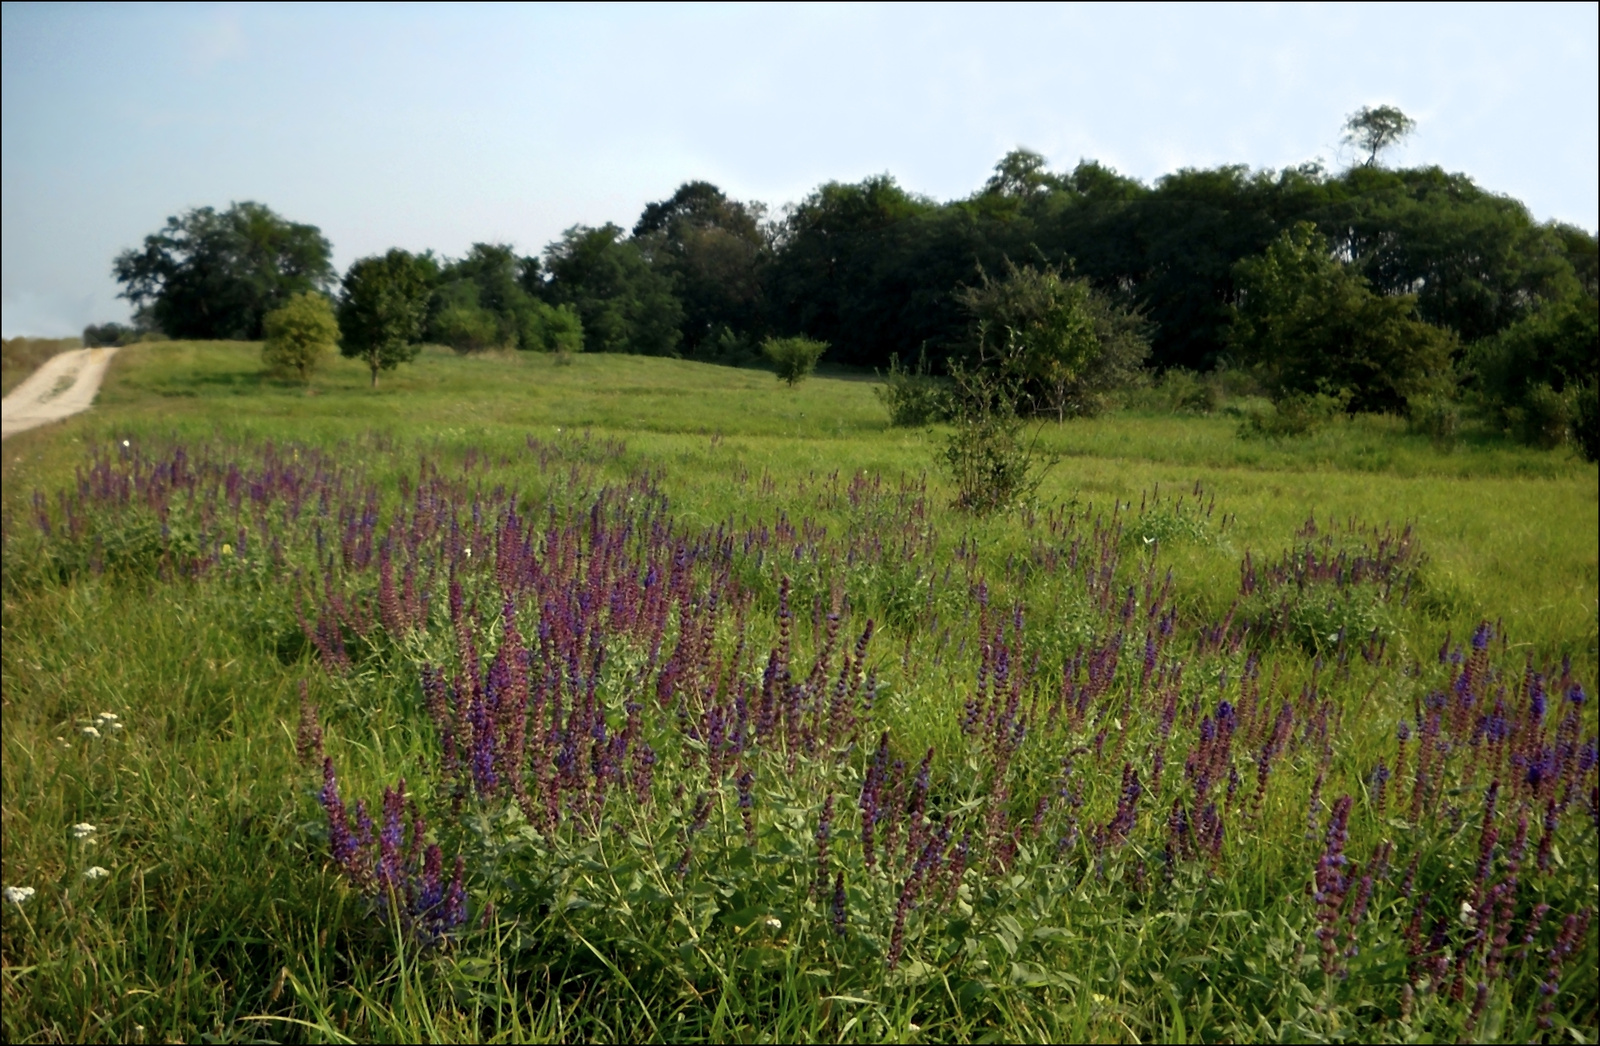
x,y
913,396
301,333
1437,417
1294,414
987,454
793,358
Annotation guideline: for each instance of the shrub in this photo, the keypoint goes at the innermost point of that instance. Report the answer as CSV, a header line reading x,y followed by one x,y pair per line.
x,y
988,460
299,334
1437,417
913,397
466,328
1180,391
1069,345
550,328
1529,377
1294,414
794,358
1545,417
98,335
728,348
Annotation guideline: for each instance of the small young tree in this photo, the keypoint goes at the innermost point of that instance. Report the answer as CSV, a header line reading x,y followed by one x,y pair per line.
x,y
300,333
382,307
991,463
794,358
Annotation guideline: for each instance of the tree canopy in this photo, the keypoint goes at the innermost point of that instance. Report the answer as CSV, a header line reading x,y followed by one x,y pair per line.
x,y
210,274
1375,129
625,304
1202,267
1314,326
383,303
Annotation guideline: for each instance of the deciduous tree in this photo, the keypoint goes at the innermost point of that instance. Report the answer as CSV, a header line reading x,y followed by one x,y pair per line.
x,y
1311,324
300,334
210,274
382,306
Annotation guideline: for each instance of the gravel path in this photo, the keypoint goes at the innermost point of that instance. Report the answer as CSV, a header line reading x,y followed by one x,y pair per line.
x,y
63,386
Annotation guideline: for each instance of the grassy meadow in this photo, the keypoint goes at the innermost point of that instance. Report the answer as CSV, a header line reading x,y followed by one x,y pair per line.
x,y
633,698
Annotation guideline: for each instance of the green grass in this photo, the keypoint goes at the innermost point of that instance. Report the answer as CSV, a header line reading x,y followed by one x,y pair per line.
x,y
223,918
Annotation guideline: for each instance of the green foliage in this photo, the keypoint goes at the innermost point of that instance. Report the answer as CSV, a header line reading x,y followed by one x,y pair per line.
x,y
1068,346
1294,414
1313,326
1375,129
793,358
95,335
211,275
991,463
913,397
1437,417
382,306
1586,423
550,328
1529,377
624,304
714,250
464,327
301,333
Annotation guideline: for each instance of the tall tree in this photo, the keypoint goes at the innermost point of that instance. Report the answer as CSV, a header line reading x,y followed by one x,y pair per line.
x,y
382,306
624,304
1313,325
1376,129
714,250
216,275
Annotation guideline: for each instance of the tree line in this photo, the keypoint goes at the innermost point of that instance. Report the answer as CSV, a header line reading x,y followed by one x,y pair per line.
x,y
1380,288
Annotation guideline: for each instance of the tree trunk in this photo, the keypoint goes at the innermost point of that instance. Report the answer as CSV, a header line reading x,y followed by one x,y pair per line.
x,y
372,361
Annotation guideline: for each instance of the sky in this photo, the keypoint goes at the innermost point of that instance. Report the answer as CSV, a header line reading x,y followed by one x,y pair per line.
x,y
440,126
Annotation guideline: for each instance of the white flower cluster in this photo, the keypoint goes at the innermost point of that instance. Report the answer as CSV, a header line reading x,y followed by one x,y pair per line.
x,y
104,723
83,831
96,873
18,894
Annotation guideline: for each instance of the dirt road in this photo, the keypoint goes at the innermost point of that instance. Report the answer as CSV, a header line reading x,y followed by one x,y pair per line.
x,y
63,386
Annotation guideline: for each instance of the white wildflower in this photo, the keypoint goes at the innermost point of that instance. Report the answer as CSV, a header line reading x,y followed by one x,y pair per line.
x,y
108,717
83,830
90,731
96,873
774,923
18,894
1467,914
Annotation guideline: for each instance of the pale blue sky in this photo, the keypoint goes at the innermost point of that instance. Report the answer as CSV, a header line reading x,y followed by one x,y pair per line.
x,y
439,126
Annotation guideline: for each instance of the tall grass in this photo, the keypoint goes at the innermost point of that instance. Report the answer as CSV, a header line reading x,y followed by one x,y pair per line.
x,y
20,357
1144,760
